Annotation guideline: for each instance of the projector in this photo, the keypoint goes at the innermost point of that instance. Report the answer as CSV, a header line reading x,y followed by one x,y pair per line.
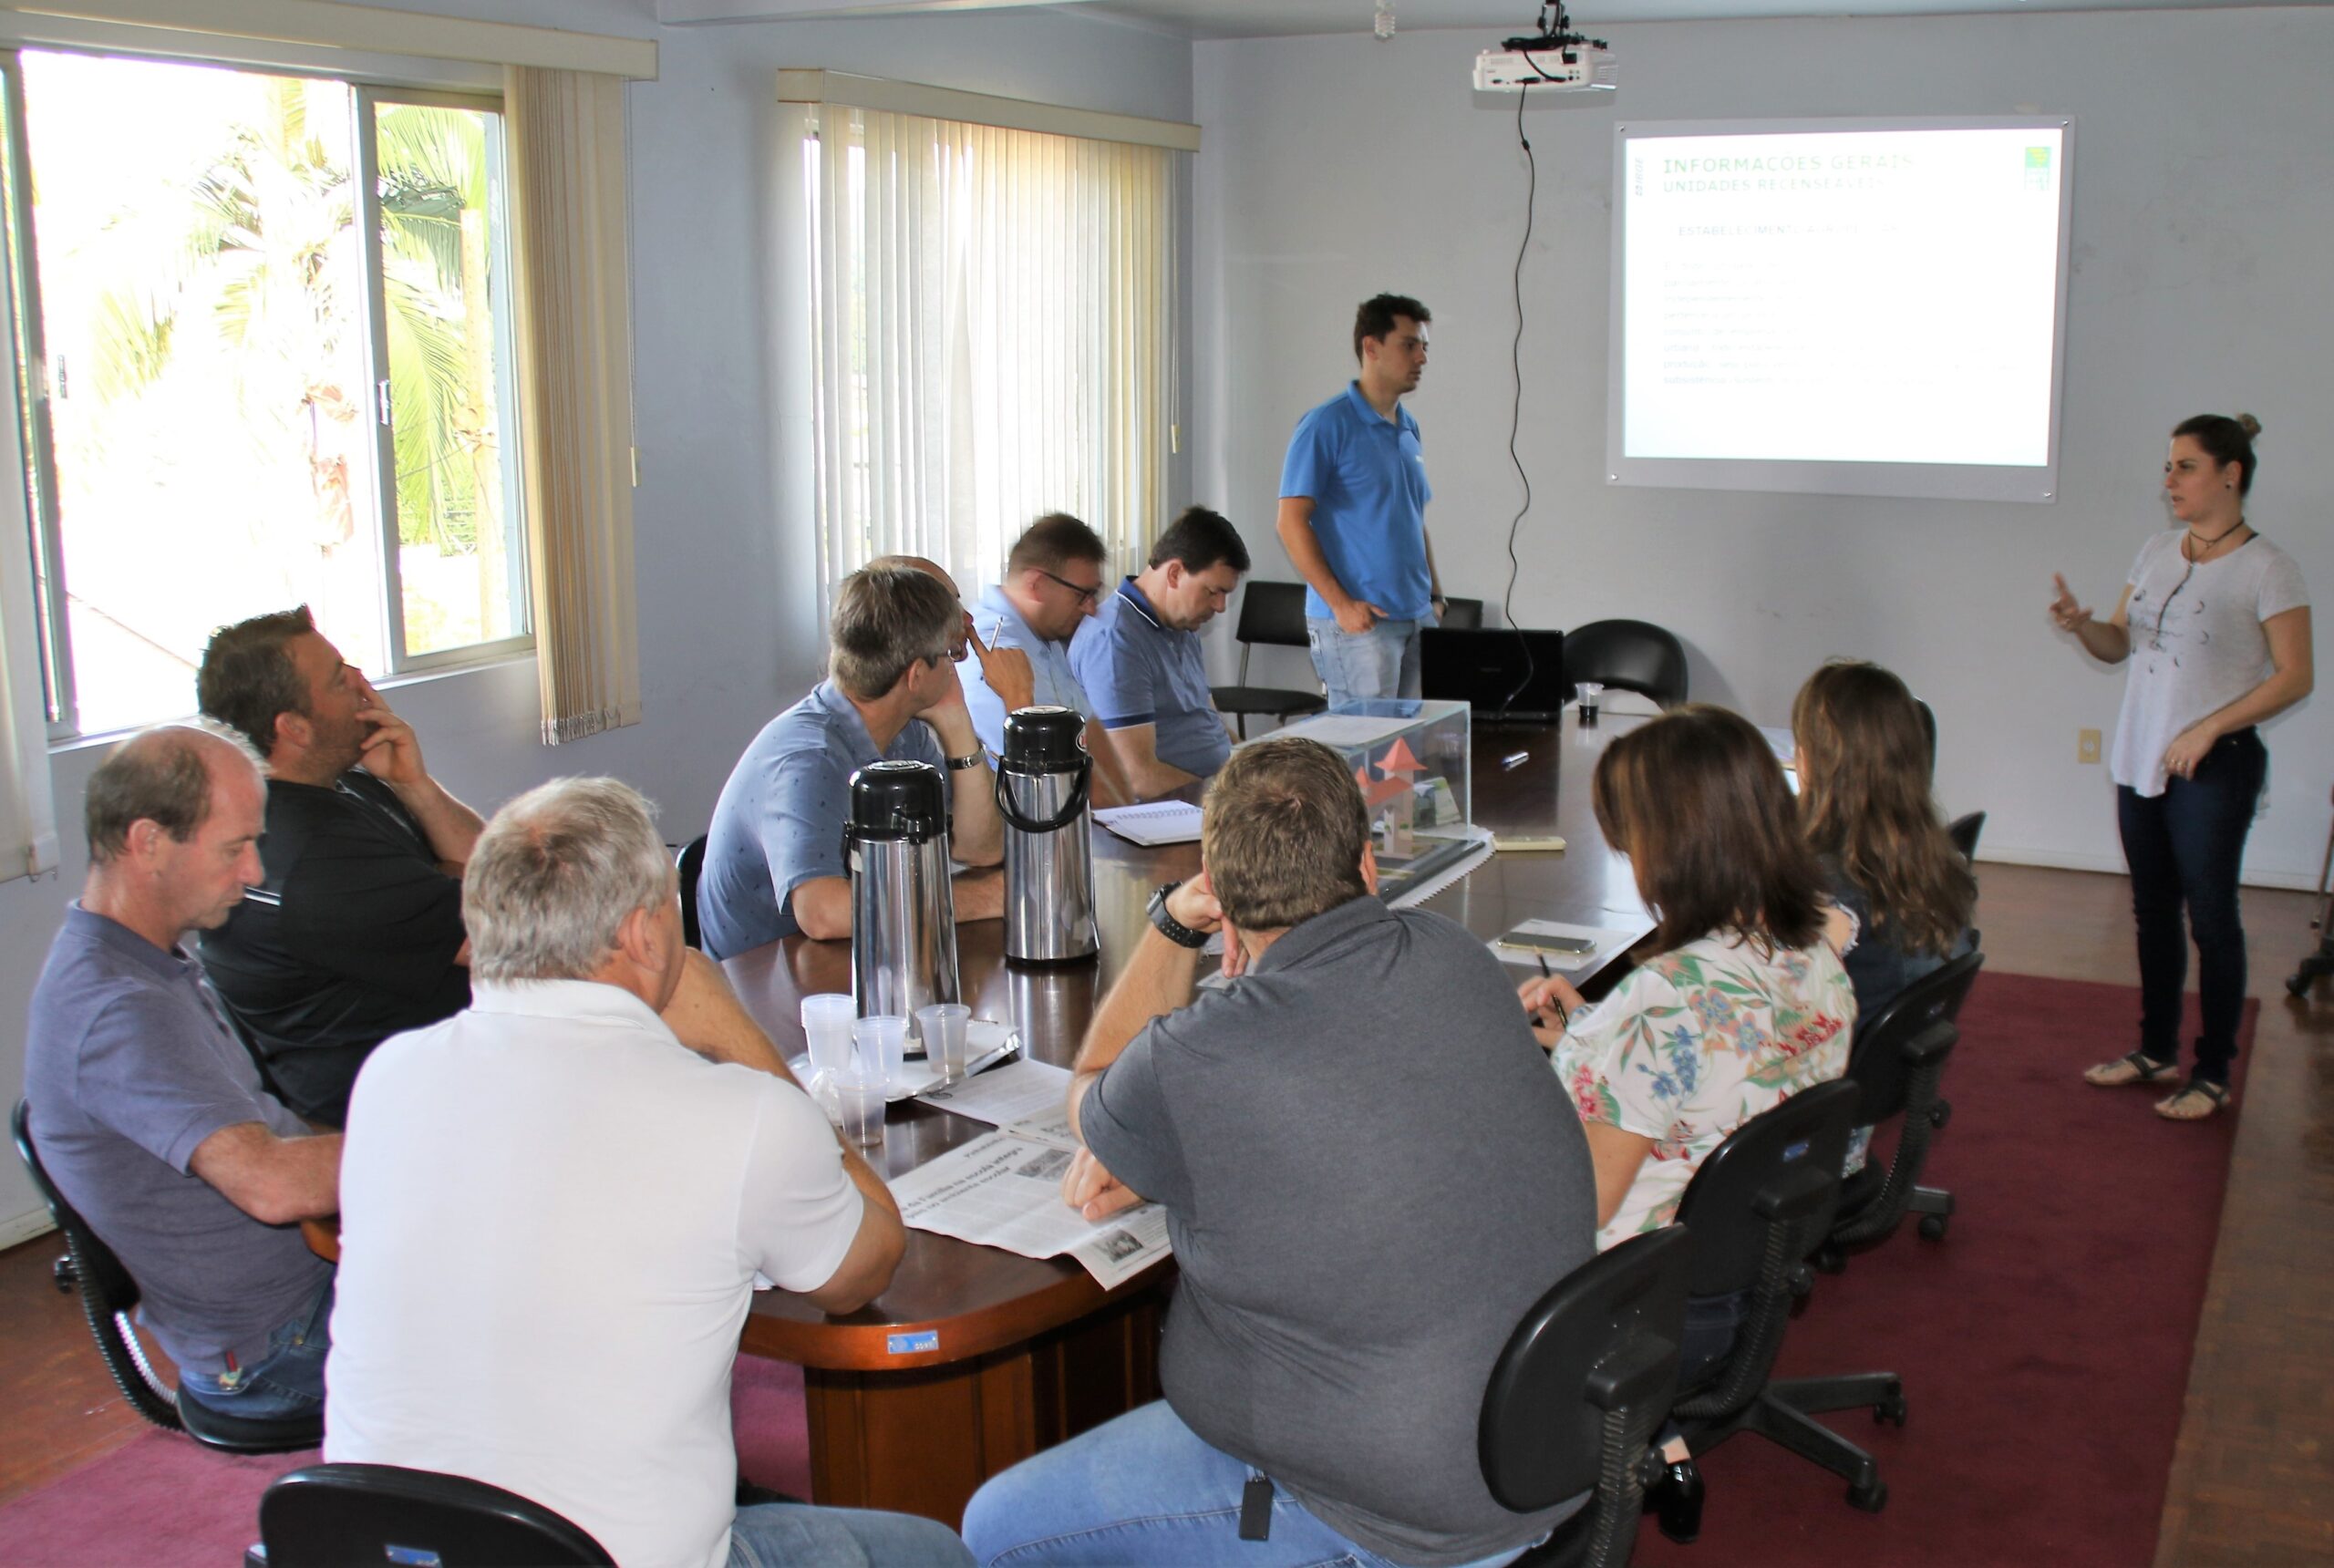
x,y
1546,65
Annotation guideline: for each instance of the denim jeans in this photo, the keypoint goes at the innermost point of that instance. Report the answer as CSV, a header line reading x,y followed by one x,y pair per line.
x,y
1144,1490
796,1535
1381,662
288,1381
2184,847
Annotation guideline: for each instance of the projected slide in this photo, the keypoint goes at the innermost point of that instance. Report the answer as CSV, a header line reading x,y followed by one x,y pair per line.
x,y
1878,296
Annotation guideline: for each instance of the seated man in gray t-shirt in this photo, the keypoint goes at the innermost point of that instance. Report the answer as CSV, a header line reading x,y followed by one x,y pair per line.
x,y
149,1115
1369,1173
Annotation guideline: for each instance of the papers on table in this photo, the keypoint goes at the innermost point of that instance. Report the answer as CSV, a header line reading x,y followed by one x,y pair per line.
x,y
1004,1191
1347,730
1026,1098
1610,940
1480,841
1160,822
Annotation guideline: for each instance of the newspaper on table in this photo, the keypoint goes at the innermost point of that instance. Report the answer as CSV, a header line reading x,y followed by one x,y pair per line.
x,y
1004,1190
1027,1099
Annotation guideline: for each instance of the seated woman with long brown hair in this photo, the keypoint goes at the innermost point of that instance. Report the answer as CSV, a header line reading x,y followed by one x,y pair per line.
x,y
1746,1004
1864,803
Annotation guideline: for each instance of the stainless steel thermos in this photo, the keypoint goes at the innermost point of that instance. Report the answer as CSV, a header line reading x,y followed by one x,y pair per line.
x,y
902,909
1041,791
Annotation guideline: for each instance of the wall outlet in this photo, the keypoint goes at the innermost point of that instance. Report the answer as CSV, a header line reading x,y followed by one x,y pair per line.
x,y
2086,746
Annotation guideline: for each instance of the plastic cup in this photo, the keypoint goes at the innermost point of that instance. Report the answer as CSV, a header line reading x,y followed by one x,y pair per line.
x,y
942,1027
860,1102
826,1024
882,1041
1589,692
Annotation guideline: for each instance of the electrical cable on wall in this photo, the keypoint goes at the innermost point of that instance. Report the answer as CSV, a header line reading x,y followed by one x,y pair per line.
x,y
1515,406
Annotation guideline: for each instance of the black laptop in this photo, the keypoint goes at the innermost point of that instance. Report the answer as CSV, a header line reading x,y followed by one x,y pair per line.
x,y
1501,674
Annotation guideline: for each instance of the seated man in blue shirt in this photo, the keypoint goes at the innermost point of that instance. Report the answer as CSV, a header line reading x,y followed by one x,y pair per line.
x,y
1139,658
773,857
1053,582
150,1116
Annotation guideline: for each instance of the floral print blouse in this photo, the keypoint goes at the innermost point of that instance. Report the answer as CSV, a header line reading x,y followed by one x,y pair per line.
x,y
1697,1042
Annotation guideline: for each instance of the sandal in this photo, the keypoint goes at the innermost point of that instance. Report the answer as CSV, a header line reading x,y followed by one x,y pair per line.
x,y
2137,1067
2196,1100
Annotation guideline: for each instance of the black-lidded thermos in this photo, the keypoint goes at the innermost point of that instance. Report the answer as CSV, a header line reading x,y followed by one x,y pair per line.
x,y
902,909
1041,791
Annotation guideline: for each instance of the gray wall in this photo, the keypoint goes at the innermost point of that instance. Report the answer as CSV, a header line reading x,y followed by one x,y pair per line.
x,y
728,609
2203,209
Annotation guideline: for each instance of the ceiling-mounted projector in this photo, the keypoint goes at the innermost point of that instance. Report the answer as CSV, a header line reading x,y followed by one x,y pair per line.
x,y
1553,59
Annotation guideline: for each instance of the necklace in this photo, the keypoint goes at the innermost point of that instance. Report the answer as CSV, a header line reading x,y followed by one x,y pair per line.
x,y
2198,545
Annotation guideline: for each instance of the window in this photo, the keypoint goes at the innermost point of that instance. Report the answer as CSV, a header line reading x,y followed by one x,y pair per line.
x,y
263,350
993,335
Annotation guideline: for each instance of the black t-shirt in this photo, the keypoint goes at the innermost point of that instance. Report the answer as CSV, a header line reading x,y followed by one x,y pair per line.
x,y
351,938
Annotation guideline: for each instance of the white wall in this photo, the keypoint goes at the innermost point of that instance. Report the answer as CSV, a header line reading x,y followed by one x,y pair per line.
x,y
728,610
2204,213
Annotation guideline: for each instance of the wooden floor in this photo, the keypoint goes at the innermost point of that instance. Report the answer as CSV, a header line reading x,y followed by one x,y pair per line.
x,y
2253,1480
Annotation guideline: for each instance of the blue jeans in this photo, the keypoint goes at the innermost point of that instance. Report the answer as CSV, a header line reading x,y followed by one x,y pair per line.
x,y
1381,662
2184,847
792,1535
288,1381
1141,1490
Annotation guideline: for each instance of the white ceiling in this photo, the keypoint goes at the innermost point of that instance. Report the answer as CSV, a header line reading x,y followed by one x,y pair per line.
x,y
1496,18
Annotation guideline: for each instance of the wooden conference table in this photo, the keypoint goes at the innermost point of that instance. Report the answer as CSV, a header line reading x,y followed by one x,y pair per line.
x,y
975,1358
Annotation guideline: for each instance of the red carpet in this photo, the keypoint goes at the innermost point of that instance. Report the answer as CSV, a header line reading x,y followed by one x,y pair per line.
x,y
160,1500
2044,1343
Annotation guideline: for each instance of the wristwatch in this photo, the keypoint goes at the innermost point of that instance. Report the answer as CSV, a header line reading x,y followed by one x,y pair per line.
x,y
1168,926
974,758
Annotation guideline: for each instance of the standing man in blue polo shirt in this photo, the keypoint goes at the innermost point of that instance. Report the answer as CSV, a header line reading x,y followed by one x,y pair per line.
x,y
1353,496
1053,580
1139,657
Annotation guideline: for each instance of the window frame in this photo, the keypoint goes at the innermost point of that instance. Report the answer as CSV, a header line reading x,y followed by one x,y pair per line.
x,y
39,481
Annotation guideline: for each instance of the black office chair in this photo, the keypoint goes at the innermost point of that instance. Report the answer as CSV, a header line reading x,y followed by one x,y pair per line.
x,y
1896,1064
109,1297
1272,615
1462,615
1578,1390
1928,726
1628,655
1964,830
1757,1206
691,865
328,1516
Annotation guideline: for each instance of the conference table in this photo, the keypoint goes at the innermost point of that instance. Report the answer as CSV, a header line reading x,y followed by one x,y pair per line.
x,y
975,1358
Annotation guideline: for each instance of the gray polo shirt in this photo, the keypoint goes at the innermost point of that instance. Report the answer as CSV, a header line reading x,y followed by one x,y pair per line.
x,y
778,822
1139,671
1369,1174
129,1069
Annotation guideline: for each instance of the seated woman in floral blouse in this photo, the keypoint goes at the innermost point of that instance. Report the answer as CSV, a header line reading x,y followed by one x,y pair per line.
x,y
1746,1004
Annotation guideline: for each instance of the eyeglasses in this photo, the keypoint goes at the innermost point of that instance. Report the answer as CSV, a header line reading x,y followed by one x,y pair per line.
x,y
1085,595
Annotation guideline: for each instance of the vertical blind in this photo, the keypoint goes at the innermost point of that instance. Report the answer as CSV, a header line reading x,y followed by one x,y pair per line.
x,y
994,338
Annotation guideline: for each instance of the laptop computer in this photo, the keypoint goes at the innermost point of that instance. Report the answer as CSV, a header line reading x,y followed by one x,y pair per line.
x,y
1502,673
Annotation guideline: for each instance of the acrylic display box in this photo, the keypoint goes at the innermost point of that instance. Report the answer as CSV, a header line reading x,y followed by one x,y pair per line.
x,y
1410,759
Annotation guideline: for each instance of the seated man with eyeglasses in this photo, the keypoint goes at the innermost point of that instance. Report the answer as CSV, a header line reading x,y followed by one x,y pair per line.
x,y
1139,656
1053,580
773,858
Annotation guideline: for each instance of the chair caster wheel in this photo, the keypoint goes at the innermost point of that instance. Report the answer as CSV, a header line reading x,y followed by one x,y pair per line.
x,y
1940,1113
1933,1227
2299,986
1892,1410
1872,1498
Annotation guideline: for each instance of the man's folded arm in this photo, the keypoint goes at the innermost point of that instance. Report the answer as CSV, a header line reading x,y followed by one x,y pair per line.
x,y
277,1181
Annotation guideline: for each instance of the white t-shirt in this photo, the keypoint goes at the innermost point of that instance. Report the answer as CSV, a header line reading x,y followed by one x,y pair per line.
x,y
2198,645
552,1214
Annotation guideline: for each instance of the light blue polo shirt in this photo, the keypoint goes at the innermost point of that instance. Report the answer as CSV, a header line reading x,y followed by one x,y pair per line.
x,y
1000,626
1140,672
780,820
1366,479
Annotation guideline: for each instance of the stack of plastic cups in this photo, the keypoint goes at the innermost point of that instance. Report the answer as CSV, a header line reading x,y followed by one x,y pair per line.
x,y
826,1025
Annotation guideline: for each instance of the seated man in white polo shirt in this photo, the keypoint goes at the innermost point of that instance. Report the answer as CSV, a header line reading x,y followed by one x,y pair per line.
x,y
1053,582
553,1205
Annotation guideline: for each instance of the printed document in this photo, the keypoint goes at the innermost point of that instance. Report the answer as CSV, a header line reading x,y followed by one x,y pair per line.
x,y
1027,1099
1160,822
1002,1191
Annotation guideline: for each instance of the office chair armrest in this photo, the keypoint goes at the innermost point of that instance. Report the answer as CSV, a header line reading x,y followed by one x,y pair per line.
x,y
1640,1367
1801,1192
1932,1043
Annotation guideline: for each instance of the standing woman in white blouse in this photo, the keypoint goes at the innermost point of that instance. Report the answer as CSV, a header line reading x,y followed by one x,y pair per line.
x,y
2216,622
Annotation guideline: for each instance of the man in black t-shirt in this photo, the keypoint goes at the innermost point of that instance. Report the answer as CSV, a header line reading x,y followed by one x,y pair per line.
x,y
356,934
